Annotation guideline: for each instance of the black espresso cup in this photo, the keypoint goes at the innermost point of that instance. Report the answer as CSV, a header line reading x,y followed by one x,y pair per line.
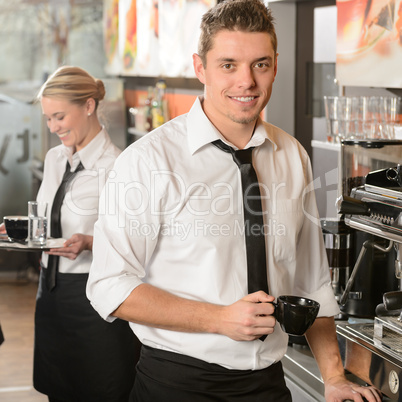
x,y
295,314
16,227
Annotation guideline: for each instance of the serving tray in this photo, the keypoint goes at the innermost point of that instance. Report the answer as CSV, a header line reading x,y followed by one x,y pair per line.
x,y
6,244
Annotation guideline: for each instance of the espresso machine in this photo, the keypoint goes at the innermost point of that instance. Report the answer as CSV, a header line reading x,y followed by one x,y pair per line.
x,y
372,348
359,291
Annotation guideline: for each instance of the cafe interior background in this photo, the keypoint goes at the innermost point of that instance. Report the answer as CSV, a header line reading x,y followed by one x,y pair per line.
x,y
343,49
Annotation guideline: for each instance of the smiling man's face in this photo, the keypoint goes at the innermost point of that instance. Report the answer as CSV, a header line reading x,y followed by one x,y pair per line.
x,y
238,76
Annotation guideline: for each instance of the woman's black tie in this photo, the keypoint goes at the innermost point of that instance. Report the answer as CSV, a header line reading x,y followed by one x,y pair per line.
x,y
55,224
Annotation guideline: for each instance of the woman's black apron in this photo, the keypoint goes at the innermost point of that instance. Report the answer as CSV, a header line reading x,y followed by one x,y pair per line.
x,y
77,355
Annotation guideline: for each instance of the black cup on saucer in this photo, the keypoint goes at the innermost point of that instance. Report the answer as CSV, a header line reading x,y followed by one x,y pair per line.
x,y
295,314
16,227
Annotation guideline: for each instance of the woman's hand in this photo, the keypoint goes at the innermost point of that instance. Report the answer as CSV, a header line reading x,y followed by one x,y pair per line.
x,y
73,246
2,228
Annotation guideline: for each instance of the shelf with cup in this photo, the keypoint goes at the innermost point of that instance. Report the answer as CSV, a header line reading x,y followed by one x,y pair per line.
x,y
134,131
331,146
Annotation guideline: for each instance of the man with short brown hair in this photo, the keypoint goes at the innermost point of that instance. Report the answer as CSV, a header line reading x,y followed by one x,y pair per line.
x,y
171,257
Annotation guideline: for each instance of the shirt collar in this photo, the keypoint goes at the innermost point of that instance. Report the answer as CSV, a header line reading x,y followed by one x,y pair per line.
x,y
89,154
200,130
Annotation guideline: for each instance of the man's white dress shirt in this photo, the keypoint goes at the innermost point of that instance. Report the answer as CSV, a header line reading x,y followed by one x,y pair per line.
x,y
79,211
173,218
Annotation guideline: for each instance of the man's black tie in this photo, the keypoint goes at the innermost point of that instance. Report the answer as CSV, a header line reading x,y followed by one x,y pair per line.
x,y
253,220
55,224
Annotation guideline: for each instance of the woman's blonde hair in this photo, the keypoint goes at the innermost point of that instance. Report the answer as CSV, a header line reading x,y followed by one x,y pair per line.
x,y
74,85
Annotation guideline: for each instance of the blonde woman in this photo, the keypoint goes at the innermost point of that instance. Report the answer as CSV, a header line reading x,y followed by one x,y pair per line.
x,y
77,355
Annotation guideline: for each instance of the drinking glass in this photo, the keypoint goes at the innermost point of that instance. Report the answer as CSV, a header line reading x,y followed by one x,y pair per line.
x,y
331,104
391,112
37,223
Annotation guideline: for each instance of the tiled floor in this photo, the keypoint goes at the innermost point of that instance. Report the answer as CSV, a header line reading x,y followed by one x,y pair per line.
x,y
17,304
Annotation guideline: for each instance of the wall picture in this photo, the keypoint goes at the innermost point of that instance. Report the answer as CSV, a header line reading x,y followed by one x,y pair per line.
x,y
369,43
152,38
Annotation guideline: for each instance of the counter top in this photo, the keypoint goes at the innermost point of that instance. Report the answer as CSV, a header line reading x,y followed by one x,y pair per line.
x,y
302,370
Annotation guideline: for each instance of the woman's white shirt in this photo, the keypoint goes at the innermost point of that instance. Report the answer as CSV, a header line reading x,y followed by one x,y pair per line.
x,y
80,208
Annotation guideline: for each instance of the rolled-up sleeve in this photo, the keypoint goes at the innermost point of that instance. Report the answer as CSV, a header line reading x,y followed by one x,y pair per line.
x,y
120,248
